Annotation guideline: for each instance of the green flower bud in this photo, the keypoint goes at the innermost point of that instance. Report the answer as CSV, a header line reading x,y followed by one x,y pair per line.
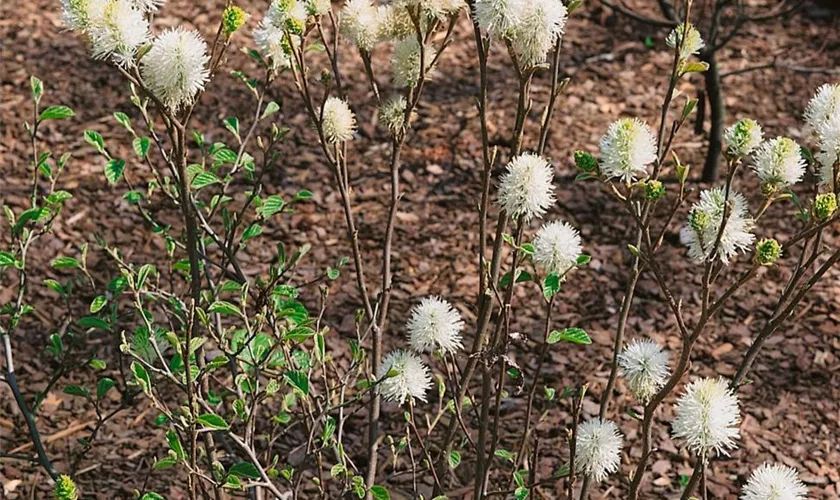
x,y
742,138
295,26
825,205
654,189
585,161
233,18
768,188
698,220
767,251
65,489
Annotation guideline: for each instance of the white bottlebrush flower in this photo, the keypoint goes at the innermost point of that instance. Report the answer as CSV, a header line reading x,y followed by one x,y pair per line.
x,y
526,189
318,7
118,32
704,222
392,114
361,23
743,137
823,106
410,377
496,17
406,62
175,68
148,5
693,41
645,366
707,417
774,482
441,9
273,44
80,15
598,448
556,248
434,323
828,155
779,162
338,121
627,149
394,22
538,26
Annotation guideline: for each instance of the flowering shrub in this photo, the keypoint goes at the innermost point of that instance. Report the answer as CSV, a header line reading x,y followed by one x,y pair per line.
x,y
233,359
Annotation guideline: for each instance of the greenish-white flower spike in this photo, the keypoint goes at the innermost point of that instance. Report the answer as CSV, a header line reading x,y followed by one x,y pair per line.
x,y
233,18
496,17
175,68
338,121
779,163
118,32
692,44
526,188
704,221
767,251
392,114
557,248
318,7
598,448
627,149
80,15
824,106
708,417
435,324
361,23
394,23
65,489
645,366
403,375
774,482
538,26
405,62
742,138
825,205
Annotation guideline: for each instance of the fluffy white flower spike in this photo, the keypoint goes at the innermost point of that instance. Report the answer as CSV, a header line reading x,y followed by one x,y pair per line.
x,y
779,163
828,155
556,248
526,189
774,482
411,377
627,149
704,222
80,15
148,5
708,417
496,17
117,32
392,114
645,366
175,68
361,23
406,62
742,138
693,40
598,448
538,26
823,106
339,122
434,323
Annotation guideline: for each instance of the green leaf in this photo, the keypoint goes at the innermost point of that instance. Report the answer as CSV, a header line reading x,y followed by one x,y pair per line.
x,y
212,421
7,259
55,286
141,146
551,285
75,390
583,259
252,231
94,138
573,335
105,384
56,113
527,248
175,444
145,271
304,195
142,377
454,459
222,307
114,169
65,263
271,205
299,381
204,179
245,470
124,120
333,273
164,463
380,493
98,303
152,496
337,469
505,455
37,87
232,124
94,322
695,67
270,108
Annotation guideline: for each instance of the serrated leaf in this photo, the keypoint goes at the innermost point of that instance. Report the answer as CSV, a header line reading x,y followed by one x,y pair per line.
x,y
114,169
245,470
380,493
573,335
454,459
298,380
56,113
141,146
94,138
204,179
212,421
124,120
271,205
65,263
222,307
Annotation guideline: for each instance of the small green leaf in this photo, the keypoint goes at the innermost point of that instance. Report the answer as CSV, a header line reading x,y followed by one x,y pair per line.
x,y
271,205
97,304
56,113
232,124
454,459
114,169
573,335
7,259
204,179
299,381
37,87
175,444
105,384
583,259
75,390
212,421
380,493
94,322
527,248
94,138
142,377
270,108
141,146
124,120
65,263
245,470
164,463
551,285
222,307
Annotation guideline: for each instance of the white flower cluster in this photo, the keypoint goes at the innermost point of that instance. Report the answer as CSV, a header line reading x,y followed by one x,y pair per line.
x,y
526,189
774,482
115,28
779,163
532,26
645,365
405,62
557,248
434,324
597,448
392,114
823,116
361,23
707,417
280,27
337,121
627,149
687,39
175,68
742,138
704,222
